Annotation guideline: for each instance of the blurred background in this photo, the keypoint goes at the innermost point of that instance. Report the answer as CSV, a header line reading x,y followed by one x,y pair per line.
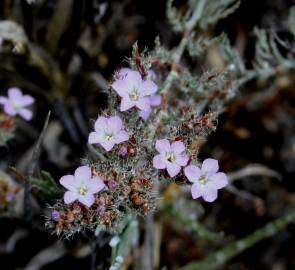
x,y
72,50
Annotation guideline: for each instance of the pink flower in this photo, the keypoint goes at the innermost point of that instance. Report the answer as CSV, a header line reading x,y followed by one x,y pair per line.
x,y
154,101
171,156
207,180
133,90
81,186
108,132
16,102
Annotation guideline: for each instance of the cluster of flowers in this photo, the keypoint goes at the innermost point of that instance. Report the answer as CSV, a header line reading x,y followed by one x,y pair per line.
x,y
140,92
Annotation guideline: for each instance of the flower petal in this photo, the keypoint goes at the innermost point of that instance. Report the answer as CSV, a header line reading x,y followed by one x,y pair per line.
x,y
143,104
83,173
148,88
15,93
177,147
27,100
107,145
26,114
87,200
8,109
94,138
219,180
158,162
192,173
95,184
3,100
100,124
120,86
210,166
122,136
70,196
122,73
163,146
197,190
151,75
173,169
115,123
145,114
133,79
155,100
210,194
126,104
69,182
181,160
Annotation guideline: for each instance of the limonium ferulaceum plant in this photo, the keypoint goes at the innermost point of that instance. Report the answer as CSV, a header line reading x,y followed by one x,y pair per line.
x,y
158,117
141,141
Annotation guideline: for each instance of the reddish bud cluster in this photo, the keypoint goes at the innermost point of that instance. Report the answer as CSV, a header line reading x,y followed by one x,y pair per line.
x,y
137,193
6,122
7,193
199,123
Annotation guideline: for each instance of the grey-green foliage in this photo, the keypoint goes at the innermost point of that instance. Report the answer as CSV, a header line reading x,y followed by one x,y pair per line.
x,y
268,56
216,10
126,239
202,85
268,59
187,214
220,257
232,57
201,44
161,52
207,12
176,20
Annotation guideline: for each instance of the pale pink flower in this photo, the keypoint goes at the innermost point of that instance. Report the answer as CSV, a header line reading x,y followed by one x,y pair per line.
x,y
108,132
171,156
16,103
207,180
82,186
133,90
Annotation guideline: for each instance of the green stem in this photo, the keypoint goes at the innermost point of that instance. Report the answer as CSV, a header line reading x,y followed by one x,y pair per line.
x,y
220,257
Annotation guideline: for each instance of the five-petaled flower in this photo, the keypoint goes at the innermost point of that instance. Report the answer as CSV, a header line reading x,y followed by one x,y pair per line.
x,y
207,180
16,102
171,156
108,132
81,186
133,90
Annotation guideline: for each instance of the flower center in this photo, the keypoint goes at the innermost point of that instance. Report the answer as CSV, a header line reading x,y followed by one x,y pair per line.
x,y
170,157
15,104
134,96
109,136
82,190
203,180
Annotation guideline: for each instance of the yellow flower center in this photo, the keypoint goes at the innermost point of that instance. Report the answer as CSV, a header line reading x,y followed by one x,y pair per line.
x,y
203,180
82,190
170,157
109,137
15,104
134,96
